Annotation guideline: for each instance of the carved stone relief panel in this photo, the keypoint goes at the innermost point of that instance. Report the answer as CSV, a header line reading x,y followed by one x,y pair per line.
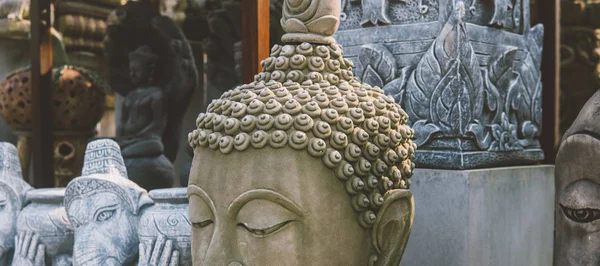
x,y
361,13
471,88
504,14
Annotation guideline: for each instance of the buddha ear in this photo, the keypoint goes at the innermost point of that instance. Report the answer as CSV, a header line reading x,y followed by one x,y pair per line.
x,y
392,227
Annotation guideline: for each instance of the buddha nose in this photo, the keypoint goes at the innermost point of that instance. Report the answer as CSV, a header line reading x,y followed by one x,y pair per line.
x,y
223,249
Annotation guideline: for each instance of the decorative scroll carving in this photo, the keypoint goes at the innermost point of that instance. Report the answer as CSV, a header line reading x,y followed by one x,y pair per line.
x,y
365,13
376,65
438,91
473,97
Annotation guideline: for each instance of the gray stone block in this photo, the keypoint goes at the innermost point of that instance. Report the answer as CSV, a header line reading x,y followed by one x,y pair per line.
x,y
494,216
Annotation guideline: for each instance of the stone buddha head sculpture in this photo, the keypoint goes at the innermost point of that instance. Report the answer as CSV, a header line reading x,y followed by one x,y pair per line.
x,y
104,207
577,239
303,166
13,190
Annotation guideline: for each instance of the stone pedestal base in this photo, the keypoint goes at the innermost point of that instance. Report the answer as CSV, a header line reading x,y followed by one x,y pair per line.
x,y
495,216
461,160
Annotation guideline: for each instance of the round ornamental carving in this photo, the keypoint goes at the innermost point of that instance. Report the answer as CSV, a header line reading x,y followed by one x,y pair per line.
x,y
77,104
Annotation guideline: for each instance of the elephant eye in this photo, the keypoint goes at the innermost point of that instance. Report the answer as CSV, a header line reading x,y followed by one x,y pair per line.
x,y
105,215
581,215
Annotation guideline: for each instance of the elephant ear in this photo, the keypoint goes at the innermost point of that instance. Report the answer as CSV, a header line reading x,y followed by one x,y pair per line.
x,y
392,227
143,200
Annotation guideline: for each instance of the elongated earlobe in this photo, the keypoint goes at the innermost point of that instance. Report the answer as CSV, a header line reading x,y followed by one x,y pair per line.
x,y
392,227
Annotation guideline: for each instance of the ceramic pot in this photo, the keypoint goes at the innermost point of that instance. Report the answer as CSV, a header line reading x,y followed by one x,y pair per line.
x,y
46,216
168,217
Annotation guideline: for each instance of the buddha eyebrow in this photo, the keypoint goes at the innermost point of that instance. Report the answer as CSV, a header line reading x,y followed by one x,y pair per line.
x,y
194,189
264,194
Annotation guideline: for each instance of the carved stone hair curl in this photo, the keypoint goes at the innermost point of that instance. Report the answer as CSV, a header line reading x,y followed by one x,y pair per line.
x,y
307,98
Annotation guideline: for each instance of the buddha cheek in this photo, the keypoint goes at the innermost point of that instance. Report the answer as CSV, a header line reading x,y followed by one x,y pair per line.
x,y
283,247
580,247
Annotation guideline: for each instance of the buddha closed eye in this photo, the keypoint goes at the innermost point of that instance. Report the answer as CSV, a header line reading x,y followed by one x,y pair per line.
x,y
257,216
262,217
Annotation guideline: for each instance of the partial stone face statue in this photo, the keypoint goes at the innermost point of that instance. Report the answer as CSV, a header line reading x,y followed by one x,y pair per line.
x,y
12,199
104,207
305,162
577,238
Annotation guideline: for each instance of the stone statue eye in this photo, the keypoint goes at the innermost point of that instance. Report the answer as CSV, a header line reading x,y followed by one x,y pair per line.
x,y
105,215
265,231
202,224
581,215
262,217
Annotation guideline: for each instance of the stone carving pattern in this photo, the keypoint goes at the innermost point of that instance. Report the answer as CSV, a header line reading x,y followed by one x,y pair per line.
x,y
100,156
305,21
505,14
13,190
321,78
47,219
107,231
504,112
364,13
168,218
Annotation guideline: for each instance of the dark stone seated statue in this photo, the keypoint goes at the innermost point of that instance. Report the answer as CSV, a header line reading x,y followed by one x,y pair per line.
x,y
152,66
142,122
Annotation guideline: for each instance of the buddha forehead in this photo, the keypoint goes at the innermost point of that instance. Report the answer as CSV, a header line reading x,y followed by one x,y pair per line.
x,y
294,174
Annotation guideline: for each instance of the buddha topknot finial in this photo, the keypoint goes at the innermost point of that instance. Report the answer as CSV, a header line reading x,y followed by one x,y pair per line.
x,y
312,21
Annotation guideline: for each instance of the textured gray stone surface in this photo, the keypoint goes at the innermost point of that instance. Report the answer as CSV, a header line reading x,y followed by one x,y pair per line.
x,y
168,218
466,72
578,190
104,207
12,199
45,219
499,216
